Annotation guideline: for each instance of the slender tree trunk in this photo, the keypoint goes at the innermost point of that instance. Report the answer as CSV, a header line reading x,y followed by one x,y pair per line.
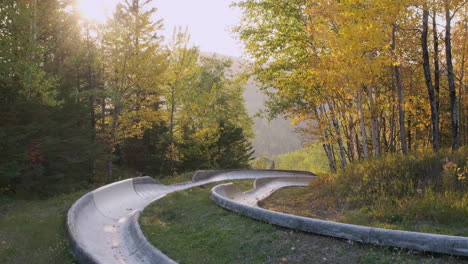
x,y
363,125
451,79
409,133
336,126
329,152
374,123
392,144
347,131
383,132
430,87
91,99
33,38
462,101
326,146
171,132
436,61
399,86
353,139
112,143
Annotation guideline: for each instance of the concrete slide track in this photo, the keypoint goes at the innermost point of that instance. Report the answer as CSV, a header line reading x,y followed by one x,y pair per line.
x,y
228,196
103,224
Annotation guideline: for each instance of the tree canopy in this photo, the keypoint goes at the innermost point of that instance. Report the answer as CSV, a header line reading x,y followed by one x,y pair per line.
x,y
80,100
367,77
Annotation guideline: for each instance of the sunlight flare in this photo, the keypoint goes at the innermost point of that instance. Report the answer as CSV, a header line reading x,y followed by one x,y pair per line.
x,y
96,10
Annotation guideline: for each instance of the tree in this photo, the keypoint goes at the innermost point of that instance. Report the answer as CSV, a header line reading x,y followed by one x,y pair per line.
x,y
451,77
430,88
216,127
339,63
134,63
182,71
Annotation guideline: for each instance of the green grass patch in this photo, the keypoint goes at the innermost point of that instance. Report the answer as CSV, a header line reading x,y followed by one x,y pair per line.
x,y
33,231
190,228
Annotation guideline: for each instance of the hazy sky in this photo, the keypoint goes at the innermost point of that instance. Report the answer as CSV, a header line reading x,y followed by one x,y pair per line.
x,y
208,21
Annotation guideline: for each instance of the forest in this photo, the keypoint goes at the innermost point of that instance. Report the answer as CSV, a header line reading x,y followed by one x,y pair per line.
x,y
375,89
365,77
81,100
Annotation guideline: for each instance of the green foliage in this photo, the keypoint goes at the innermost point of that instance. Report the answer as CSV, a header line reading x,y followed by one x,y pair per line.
x,y
262,163
77,98
233,150
312,158
46,151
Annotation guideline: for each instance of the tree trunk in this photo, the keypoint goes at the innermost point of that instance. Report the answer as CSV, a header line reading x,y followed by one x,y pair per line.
x,y
462,101
33,38
374,123
326,146
347,131
91,100
112,141
436,60
171,133
451,79
354,142
383,133
329,152
336,126
363,126
430,87
409,133
399,85
392,143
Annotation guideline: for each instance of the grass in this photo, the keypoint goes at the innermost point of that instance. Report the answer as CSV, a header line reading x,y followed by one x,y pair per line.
x,y
190,228
33,231
298,201
422,192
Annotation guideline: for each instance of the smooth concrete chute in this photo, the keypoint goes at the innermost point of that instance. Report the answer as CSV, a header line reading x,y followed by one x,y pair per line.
x,y
229,197
103,224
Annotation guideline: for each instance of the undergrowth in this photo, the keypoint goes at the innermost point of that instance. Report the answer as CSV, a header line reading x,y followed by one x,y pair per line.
x,y
422,191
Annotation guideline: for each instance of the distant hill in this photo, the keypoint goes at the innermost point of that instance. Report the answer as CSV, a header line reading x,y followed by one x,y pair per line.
x,y
272,138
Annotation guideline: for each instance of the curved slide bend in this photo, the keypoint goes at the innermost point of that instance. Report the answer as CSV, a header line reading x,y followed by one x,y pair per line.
x,y
103,224
229,197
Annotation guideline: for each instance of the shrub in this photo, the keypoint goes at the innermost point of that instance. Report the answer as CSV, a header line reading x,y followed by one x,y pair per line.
x,y
396,188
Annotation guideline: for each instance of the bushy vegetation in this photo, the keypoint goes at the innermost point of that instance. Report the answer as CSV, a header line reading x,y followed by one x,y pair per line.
x,y
312,158
411,191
